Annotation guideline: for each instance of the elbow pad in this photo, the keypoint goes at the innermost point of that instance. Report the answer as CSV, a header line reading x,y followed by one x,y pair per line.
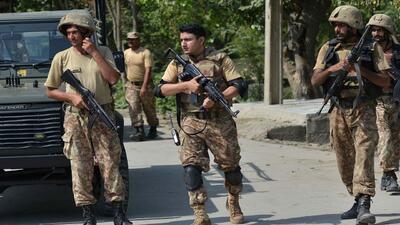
x,y
240,84
157,89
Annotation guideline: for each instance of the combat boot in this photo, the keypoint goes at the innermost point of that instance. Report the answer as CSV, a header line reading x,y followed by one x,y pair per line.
x,y
351,213
119,215
152,132
389,181
232,205
364,215
138,135
201,217
88,215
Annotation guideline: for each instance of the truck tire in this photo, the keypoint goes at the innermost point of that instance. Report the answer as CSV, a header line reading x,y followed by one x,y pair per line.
x,y
103,207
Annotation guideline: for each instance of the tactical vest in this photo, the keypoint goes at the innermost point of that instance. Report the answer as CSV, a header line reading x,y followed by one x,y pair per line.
x,y
395,61
371,91
210,66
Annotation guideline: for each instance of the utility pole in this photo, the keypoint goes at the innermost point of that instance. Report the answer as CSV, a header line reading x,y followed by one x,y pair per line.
x,y
273,52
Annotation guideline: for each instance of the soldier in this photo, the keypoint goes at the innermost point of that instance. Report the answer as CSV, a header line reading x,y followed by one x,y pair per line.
x,y
387,110
211,129
95,68
139,88
353,127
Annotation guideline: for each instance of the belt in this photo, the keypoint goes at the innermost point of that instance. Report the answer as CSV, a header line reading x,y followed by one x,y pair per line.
x,y
137,83
204,115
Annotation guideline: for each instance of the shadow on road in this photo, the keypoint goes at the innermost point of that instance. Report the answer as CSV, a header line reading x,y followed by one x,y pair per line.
x,y
128,130
333,219
387,222
254,220
38,204
159,192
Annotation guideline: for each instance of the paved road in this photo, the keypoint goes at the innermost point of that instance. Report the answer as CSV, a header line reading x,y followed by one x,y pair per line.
x,y
282,185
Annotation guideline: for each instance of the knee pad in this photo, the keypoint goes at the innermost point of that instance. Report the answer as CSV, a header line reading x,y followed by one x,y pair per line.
x,y
192,178
234,177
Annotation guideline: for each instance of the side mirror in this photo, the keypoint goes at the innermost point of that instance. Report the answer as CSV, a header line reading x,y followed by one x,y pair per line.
x,y
119,60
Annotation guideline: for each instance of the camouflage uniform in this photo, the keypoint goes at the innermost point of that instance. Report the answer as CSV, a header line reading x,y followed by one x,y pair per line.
x,y
387,110
107,151
355,155
219,135
138,104
77,147
214,130
84,146
354,138
353,129
137,61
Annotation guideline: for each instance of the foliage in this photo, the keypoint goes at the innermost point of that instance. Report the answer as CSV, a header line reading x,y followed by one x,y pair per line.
x,y
166,104
119,97
239,34
368,8
236,27
41,5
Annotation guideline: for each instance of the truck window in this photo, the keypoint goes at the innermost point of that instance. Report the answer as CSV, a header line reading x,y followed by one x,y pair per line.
x,y
31,43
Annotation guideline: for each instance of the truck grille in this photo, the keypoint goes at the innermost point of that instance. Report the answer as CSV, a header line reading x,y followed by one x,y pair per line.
x,y
36,126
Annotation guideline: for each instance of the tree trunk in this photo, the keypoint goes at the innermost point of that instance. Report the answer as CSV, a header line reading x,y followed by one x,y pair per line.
x,y
133,5
114,7
298,51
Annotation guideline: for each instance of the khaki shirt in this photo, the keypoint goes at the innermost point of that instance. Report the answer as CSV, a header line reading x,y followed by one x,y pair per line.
x,y
85,69
136,61
226,66
343,50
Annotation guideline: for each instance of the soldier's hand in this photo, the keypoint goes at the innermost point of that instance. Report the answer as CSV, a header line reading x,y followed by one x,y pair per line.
x,y
143,91
192,85
333,69
77,101
88,46
208,103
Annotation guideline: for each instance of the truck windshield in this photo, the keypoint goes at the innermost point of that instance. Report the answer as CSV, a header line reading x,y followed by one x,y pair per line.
x,y
33,42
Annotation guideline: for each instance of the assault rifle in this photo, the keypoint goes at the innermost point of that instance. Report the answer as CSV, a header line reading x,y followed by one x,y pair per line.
x,y
341,74
95,110
191,71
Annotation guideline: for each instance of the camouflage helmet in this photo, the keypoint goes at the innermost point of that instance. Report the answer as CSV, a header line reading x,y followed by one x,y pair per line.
x,y
384,21
81,19
349,15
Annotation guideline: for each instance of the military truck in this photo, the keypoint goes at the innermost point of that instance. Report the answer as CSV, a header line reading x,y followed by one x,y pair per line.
x,y
31,124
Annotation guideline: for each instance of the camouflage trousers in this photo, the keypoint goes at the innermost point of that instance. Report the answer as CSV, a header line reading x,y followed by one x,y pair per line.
x,y
219,135
387,113
106,152
354,138
137,104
